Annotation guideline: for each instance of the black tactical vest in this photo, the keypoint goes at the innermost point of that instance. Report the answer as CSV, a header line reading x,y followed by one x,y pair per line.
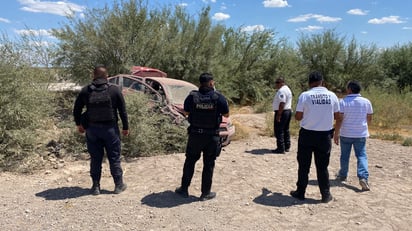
x,y
99,105
204,113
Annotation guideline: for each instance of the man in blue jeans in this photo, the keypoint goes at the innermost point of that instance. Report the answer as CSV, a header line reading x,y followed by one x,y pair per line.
x,y
357,113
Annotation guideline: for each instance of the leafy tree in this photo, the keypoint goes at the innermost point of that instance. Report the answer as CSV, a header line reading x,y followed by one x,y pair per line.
x,y
396,63
339,61
325,53
169,39
360,63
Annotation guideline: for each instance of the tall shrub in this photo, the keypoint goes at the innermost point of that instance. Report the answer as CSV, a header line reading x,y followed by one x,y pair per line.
x,y
24,105
151,132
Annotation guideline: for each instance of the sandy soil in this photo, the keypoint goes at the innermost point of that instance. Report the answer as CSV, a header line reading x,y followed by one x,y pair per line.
x,y
251,183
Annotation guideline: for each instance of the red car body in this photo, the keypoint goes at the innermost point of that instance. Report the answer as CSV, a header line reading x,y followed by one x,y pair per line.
x,y
170,93
147,72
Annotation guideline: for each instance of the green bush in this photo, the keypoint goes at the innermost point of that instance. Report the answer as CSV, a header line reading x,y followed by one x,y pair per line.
x,y
151,132
407,142
24,111
24,106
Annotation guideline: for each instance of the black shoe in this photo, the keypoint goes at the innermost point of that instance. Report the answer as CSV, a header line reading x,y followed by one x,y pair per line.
x,y
287,150
95,190
298,195
120,188
278,151
326,198
341,178
182,192
207,196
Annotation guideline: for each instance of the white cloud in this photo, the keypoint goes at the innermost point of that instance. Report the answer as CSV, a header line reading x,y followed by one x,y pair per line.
x,y
386,20
317,17
275,3
41,32
357,12
62,8
407,28
220,16
321,18
4,20
207,1
183,4
310,28
253,28
364,32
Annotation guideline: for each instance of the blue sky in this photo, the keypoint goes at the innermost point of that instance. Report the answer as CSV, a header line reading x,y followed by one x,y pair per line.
x,y
382,22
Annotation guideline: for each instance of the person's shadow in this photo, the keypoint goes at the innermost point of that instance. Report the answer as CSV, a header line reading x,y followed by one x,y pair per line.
x,y
261,151
337,183
270,198
166,199
64,193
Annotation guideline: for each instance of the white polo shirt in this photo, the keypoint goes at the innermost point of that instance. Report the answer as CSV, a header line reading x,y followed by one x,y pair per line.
x,y
318,106
355,109
283,95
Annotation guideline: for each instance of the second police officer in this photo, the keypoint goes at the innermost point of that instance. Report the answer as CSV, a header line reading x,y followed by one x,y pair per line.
x,y
204,109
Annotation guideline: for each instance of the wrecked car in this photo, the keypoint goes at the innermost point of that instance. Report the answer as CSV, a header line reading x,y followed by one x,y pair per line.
x,y
170,94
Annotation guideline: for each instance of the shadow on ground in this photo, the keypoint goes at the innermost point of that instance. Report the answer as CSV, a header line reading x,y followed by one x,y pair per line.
x,y
166,199
338,183
64,193
262,151
270,198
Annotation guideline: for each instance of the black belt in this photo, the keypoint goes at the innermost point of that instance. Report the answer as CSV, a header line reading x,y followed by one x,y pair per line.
x,y
284,110
205,131
318,132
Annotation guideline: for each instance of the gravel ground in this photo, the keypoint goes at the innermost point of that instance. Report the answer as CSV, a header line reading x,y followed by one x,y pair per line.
x,y
251,183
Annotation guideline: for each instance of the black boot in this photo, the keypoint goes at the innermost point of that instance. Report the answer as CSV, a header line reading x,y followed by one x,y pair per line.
x,y
95,190
119,185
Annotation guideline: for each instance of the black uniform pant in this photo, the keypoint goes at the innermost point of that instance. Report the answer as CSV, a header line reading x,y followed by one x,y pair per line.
x,y
197,143
319,143
100,138
281,129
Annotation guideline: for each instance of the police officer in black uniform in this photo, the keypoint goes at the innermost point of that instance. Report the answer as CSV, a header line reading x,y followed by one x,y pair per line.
x,y
104,102
205,109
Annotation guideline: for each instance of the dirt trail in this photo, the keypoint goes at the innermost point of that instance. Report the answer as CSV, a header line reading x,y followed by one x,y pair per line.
x,y
252,188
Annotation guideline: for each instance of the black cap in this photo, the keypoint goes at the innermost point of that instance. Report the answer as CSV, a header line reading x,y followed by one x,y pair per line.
x,y
205,77
315,76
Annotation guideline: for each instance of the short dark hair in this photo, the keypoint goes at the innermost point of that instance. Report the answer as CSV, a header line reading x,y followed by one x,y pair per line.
x,y
280,80
100,71
354,86
315,76
205,77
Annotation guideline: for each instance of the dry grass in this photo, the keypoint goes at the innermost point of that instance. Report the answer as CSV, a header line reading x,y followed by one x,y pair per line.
x,y
242,131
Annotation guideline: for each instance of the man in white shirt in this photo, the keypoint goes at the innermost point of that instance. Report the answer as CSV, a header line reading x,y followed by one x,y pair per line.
x,y
282,106
316,110
356,112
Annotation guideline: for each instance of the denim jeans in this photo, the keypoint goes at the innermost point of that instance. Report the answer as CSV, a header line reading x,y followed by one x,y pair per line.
x,y
359,145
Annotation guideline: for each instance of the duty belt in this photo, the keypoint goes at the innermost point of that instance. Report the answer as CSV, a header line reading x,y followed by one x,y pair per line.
x,y
205,131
